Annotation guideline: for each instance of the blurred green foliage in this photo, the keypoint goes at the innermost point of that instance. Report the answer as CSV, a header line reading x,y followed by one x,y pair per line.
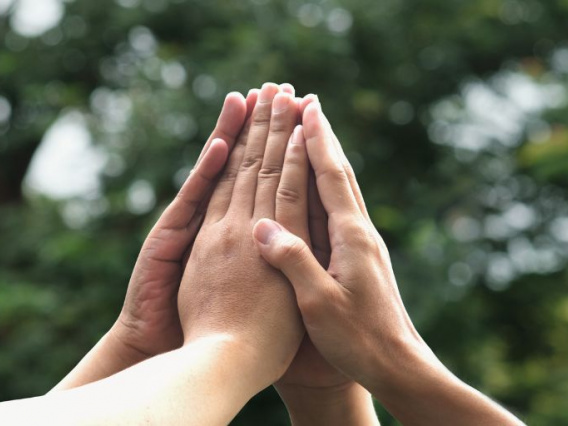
x,y
453,114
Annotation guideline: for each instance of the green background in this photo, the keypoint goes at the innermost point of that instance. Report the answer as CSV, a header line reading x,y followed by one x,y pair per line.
x,y
453,113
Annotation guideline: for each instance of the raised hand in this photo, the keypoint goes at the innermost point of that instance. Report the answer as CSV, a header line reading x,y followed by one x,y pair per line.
x,y
149,322
313,390
228,289
353,311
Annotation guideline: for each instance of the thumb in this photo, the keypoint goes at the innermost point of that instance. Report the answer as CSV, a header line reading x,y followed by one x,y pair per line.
x,y
289,253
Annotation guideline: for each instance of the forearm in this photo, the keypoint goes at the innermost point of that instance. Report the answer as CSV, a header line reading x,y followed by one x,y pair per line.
x,y
344,405
108,357
205,382
418,390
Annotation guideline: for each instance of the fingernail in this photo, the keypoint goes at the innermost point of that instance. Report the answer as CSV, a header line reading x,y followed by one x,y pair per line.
x,y
288,86
266,230
265,93
280,102
298,137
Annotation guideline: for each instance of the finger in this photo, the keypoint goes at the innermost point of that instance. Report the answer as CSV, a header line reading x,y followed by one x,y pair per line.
x,y
332,181
244,190
282,123
230,122
221,197
318,224
183,208
252,98
288,88
290,254
306,100
292,194
348,170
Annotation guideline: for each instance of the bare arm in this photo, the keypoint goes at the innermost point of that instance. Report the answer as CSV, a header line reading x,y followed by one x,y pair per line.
x,y
206,382
353,311
149,323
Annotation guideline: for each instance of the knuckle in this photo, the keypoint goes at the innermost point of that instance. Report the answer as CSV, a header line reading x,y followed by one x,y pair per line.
x,y
288,195
261,117
189,202
278,126
335,173
270,172
296,152
293,248
382,246
359,236
230,175
252,162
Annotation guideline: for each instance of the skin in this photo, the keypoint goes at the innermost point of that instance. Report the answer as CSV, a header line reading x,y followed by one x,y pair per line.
x,y
313,390
222,363
248,299
148,324
352,310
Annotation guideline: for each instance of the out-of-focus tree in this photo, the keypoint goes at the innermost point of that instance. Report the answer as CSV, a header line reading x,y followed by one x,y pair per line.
x,y
452,113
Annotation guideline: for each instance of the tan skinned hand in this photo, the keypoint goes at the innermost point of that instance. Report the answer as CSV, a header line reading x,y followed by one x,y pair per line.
x,y
149,321
228,288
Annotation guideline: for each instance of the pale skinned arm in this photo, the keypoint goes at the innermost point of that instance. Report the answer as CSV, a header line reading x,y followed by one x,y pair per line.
x,y
206,382
233,349
353,312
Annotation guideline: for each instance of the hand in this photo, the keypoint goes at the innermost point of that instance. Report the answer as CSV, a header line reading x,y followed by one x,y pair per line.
x,y
149,323
353,311
312,389
227,288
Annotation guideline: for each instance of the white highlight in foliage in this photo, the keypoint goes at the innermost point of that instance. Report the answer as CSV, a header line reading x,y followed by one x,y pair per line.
x,y
5,110
339,21
34,17
66,164
5,4
141,197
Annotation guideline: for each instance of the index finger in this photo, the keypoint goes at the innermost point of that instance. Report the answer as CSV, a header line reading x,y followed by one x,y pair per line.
x,y
230,122
332,180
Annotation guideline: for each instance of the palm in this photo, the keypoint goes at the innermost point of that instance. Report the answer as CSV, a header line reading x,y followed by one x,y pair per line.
x,y
150,309
310,369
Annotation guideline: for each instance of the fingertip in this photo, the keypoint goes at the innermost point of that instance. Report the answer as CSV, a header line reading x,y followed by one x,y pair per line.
x,y
268,92
232,114
219,145
216,156
235,103
312,120
298,137
238,96
253,92
288,88
282,101
251,100
307,100
265,230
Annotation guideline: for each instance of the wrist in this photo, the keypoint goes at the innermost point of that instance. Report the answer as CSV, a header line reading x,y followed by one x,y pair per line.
x,y
120,347
108,357
237,356
348,403
416,388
